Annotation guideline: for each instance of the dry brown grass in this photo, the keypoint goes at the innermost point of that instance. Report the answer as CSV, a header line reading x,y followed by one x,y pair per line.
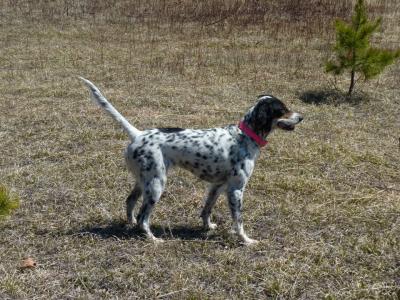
x,y
324,200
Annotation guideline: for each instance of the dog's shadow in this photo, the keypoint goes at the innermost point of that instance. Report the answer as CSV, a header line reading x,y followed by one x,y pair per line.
x,y
120,230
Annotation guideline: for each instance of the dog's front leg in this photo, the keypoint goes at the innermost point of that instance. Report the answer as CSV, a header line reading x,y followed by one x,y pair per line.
x,y
235,199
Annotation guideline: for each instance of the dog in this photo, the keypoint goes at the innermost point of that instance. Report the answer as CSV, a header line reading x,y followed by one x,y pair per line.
x,y
224,157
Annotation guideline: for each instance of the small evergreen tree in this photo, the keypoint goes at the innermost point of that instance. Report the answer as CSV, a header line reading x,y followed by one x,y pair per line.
x,y
353,50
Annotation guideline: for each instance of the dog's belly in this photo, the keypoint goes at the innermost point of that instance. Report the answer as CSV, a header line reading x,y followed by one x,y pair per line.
x,y
207,173
206,166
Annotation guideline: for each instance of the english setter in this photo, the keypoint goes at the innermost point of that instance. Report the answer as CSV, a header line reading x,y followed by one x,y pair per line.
x,y
224,157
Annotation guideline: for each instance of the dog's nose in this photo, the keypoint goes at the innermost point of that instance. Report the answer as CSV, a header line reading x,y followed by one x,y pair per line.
x,y
298,117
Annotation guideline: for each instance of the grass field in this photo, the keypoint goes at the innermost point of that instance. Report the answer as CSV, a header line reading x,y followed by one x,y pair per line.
x,y
323,200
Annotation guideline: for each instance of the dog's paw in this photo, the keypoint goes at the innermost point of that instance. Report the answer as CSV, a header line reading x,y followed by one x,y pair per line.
x,y
210,226
250,242
156,240
130,224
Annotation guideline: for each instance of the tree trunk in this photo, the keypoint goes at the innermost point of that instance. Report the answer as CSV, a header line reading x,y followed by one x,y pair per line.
x,y
352,82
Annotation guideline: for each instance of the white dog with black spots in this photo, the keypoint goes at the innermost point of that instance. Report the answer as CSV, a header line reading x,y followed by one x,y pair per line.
x,y
224,157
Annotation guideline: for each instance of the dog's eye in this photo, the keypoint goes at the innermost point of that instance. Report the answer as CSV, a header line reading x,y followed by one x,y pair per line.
x,y
279,113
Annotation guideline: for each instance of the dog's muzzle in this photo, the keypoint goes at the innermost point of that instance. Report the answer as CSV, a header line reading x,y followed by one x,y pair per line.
x,y
290,122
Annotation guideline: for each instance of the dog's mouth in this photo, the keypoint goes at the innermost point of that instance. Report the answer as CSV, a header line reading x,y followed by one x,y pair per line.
x,y
290,122
285,126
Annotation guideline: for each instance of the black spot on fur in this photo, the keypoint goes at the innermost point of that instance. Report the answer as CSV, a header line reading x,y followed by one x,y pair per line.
x,y
171,138
170,129
150,166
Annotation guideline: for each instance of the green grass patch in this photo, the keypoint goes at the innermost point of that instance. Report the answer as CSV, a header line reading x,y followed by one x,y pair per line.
x,y
8,202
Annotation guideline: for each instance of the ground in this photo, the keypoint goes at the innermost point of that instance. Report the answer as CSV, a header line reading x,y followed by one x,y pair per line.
x,y
323,200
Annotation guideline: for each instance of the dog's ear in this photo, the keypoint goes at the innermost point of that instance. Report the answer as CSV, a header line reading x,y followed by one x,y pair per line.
x,y
263,116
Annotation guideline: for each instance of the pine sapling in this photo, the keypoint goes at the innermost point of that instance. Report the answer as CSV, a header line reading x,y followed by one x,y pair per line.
x,y
353,50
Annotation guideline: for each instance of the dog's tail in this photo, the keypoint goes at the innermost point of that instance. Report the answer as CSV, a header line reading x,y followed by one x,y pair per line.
x,y
103,102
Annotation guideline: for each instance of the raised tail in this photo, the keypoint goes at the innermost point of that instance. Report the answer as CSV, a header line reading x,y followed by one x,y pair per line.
x,y
103,102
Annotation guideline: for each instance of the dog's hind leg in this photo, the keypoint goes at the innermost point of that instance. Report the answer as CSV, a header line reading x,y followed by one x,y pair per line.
x,y
131,202
152,192
212,195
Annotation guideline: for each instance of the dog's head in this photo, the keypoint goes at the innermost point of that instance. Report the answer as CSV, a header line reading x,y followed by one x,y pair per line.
x,y
270,113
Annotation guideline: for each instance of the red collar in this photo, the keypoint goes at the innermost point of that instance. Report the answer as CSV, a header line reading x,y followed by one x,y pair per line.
x,y
251,134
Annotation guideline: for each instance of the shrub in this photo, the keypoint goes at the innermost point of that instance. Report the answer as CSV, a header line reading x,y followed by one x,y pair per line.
x,y
353,50
8,202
